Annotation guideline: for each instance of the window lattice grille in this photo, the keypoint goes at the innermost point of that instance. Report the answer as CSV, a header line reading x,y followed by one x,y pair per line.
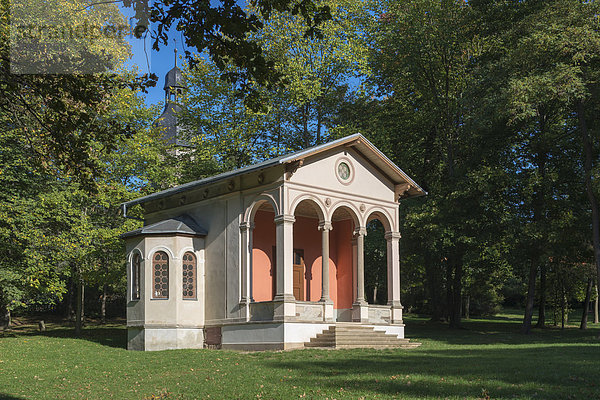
x,y
189,276
160,275
135,277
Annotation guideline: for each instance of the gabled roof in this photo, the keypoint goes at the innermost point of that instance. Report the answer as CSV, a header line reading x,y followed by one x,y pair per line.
x,y
357,141
181,225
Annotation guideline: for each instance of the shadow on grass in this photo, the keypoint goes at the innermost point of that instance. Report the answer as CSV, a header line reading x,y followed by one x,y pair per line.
x,y
496,331
4,396
112,335
538,371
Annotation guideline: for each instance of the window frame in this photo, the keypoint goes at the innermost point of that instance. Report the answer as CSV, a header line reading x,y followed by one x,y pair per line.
x,y
155,262
136,290
195,275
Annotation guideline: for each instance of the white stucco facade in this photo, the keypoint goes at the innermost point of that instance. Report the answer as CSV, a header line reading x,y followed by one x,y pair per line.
x,y
227,214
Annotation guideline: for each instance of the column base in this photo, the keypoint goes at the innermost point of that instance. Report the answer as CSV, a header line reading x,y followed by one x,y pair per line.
x,y
360,312
245,309
284,307
396,312
328,311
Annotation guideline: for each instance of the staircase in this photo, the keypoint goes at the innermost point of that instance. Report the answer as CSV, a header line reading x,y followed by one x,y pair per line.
x,y
351,336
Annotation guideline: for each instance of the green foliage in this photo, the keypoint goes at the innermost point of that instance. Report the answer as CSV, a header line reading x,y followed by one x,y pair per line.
x,y
225,32
317,70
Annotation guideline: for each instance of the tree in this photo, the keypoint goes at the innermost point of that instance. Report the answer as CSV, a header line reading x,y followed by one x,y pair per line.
x,y
46,94
225,31
317,71
554,64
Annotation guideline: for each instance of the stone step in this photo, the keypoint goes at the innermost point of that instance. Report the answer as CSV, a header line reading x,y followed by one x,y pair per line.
x,y
357,336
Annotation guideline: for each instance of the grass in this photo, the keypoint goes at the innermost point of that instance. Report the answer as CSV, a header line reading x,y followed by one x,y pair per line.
x,y
488,359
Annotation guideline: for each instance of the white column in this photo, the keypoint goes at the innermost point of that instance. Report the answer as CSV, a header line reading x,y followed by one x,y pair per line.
x,y
325,227
360,264
284,227
354,269
328,311
393,272
360,308
246,230
244,264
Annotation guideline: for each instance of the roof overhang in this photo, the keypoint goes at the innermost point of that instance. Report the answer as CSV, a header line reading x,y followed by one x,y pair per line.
x,y
405,186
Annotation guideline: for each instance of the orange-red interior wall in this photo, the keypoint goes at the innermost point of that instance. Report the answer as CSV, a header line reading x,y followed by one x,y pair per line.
x,y
308,238
340,241
263,259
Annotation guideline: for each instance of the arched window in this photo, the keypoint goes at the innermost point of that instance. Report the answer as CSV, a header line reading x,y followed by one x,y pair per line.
x,y
135,276
189,275
160,275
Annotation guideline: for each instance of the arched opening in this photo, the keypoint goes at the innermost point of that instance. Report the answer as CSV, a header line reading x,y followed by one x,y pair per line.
x,y
264,269
376,258
375,263
341,266
307,251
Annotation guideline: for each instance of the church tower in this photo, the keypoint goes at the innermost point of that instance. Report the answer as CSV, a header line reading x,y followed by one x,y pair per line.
x,y
169,120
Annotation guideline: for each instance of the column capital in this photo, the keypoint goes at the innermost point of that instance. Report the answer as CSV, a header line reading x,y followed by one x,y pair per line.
x,y
325,226
360,231
392,236
244,226
283,218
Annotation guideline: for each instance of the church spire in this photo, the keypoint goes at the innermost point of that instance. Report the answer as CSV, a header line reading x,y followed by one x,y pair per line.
x,y
169,119
173,83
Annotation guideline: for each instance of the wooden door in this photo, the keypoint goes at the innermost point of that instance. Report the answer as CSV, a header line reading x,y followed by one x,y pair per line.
x,y
299,274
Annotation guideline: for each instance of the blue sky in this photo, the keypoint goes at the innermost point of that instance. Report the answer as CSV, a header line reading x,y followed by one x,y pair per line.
x,y
151,61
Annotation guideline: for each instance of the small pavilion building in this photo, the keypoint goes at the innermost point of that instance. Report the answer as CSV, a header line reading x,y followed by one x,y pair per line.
x,y
270,256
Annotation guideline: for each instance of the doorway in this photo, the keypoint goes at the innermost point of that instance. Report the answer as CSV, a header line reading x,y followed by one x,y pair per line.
x,y
299,274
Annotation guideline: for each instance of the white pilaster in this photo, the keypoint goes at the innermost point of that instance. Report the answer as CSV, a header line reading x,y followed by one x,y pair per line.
x,y
393,272
328,312
360,308
285,303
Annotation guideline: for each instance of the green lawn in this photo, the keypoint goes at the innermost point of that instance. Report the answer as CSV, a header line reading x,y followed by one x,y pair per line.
x,y
487,359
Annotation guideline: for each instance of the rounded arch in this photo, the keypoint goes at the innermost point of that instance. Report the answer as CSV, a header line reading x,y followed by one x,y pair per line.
x,y
185,249
134,251
256,203
314,201
382,216
353,211
161,248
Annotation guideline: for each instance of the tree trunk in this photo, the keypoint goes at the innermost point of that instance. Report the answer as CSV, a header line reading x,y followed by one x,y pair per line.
x,y
78,304
69,310
448,307
103,307
82,303
563,306
467,306
6,319
435,288
456,313
587,167
542,307
596,307
319,121
586,304
526,328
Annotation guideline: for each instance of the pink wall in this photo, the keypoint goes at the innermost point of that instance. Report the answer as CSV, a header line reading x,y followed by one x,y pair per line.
x,y
263,261
307,237
341,252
